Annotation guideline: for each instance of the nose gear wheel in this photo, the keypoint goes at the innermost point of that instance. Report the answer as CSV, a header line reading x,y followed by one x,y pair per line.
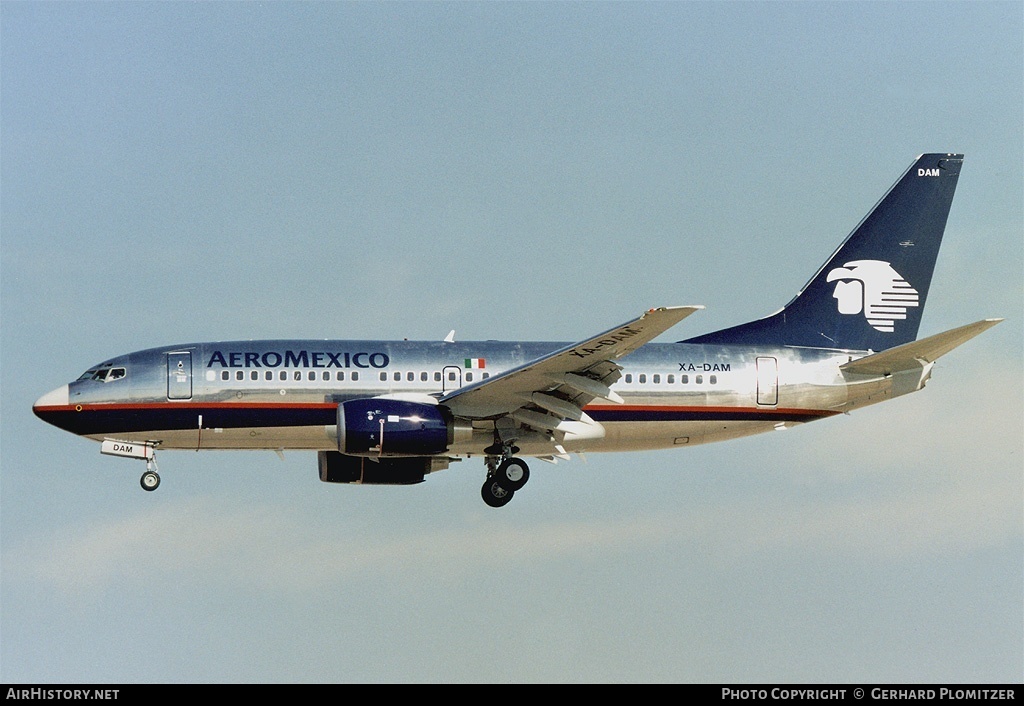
x,y
150,480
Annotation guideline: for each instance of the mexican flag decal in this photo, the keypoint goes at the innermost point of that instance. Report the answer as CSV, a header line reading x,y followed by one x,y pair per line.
x,y
475,363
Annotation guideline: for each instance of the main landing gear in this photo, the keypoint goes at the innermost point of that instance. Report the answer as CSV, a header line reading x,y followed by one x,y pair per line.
x,y
504,479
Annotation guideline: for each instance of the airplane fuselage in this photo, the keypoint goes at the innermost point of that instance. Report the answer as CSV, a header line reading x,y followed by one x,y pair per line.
x,y
285,394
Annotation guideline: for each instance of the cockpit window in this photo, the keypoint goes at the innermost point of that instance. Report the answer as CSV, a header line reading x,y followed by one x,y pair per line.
x,y
105,374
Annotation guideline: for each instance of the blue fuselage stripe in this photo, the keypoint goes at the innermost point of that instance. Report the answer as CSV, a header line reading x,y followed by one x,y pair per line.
x,y
113,419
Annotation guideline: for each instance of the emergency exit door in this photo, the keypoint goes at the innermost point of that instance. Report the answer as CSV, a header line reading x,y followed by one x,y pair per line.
x,y
451,377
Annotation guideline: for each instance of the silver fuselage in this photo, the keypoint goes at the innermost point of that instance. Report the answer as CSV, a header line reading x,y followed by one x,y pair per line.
x,y
284,394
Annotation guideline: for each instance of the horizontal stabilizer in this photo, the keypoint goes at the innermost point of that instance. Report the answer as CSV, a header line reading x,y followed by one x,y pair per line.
x,y
910,355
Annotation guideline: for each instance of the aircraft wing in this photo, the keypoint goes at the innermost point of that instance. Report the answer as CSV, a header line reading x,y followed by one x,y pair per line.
x,y
562,382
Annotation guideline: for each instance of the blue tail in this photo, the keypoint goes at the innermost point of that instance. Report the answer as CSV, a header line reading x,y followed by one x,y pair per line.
x,y
871,293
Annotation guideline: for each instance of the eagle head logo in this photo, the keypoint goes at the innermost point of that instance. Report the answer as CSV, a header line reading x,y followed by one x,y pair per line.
x,y
873,288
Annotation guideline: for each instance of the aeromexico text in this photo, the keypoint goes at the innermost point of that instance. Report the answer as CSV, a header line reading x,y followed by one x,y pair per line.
x,y
298,359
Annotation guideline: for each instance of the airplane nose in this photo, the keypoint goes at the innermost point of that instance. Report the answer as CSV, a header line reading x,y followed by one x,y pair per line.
x,y
53,398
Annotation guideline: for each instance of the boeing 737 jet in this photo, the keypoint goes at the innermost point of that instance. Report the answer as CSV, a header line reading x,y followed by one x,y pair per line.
x,y
392,412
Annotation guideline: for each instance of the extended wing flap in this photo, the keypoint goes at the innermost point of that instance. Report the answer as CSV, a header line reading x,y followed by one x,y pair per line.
x,y
926,350
589,359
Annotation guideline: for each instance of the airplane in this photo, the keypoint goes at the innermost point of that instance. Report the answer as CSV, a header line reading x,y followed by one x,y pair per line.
x,y
393,412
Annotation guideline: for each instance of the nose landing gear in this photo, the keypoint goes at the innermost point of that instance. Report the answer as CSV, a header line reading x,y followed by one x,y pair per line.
x,y
130,449
150,479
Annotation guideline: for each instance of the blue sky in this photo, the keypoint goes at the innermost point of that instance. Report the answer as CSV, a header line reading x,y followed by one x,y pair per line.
x,y
174,172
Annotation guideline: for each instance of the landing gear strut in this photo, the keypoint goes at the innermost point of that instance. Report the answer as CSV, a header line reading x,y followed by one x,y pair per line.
x,y
504,478
145,450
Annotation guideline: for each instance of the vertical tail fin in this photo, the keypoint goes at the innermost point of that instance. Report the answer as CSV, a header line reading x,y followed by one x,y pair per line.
x,y
871,293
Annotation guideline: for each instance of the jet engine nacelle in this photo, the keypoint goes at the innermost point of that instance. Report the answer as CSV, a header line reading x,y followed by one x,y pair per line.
x,y
390,427
334,467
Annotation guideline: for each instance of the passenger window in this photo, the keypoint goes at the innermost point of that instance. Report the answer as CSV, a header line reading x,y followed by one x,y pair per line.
x,y
224,375
397,377
410,377
451,377
685,379
383,377
423,377
355,375
713,379
700,379
283,375
629,377
657,379
643,378
297,376
437,377
239,375
341,375
670,379
326,375
269,375
311,376
469,377
485,376
254,375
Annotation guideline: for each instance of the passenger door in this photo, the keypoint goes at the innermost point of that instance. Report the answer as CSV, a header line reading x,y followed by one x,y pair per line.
x,y
179,376
767,381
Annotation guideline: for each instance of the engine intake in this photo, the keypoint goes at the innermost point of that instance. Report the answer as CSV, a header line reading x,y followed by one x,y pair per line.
x,y
389,427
